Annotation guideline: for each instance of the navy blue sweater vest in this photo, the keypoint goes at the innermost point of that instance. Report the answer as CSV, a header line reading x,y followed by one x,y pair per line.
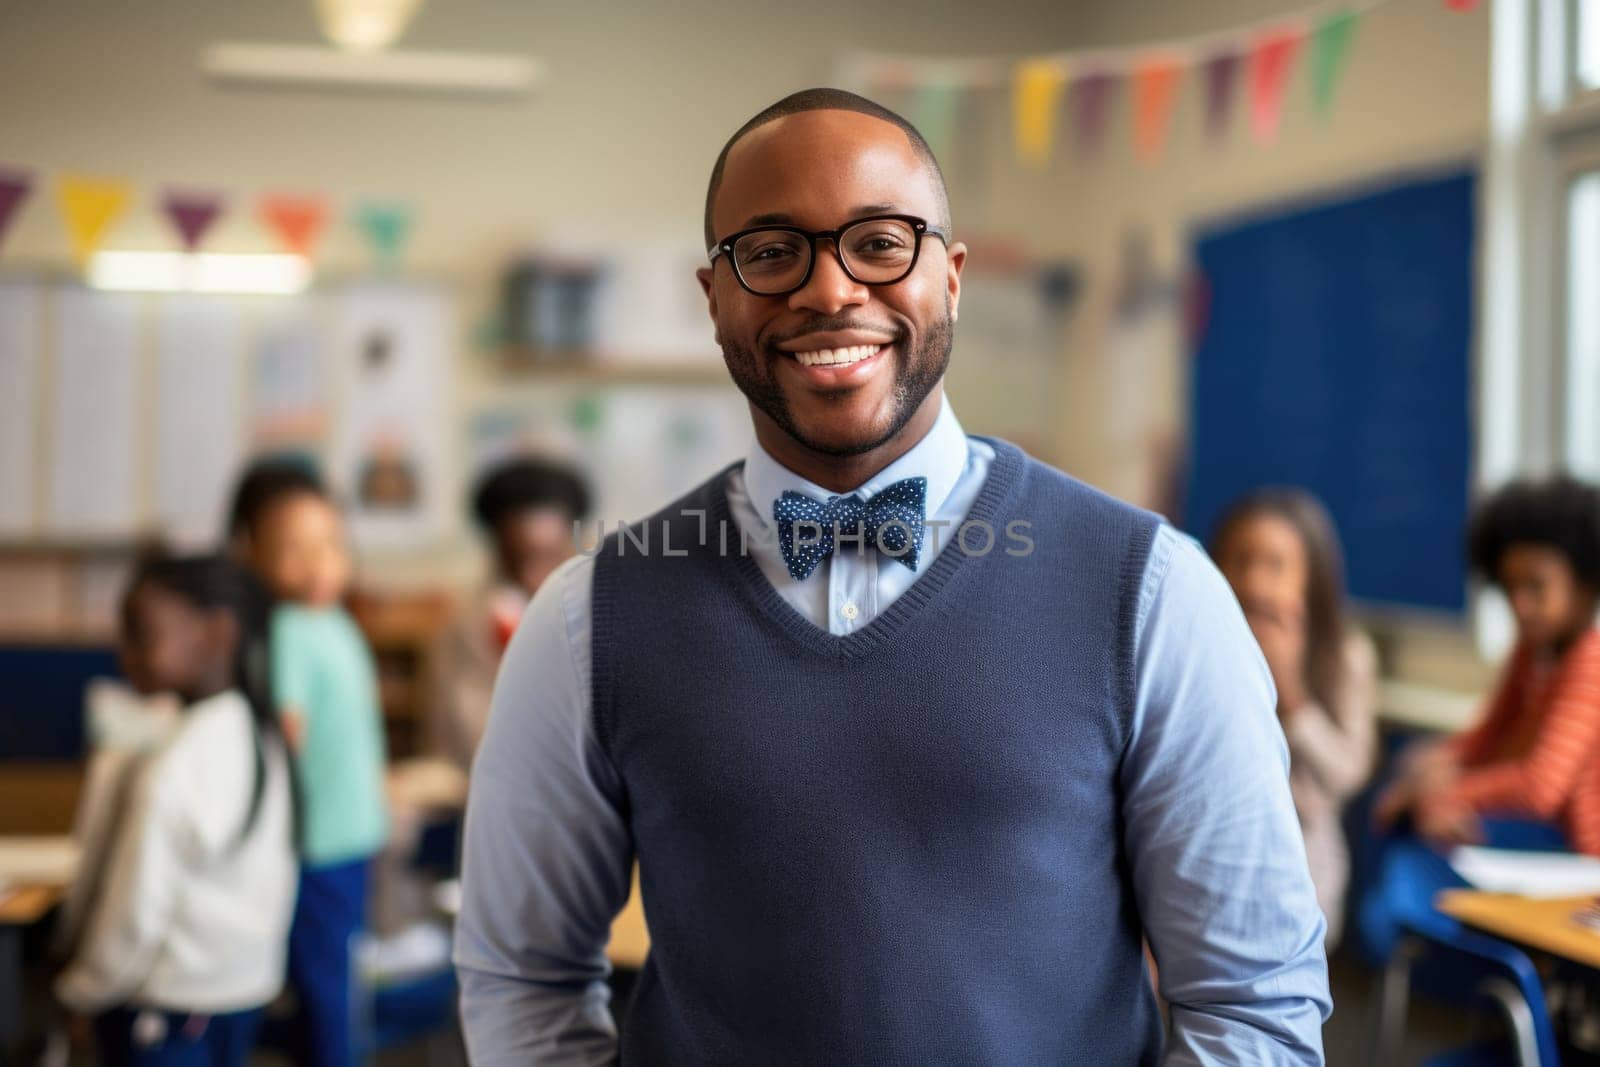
x,y
898,846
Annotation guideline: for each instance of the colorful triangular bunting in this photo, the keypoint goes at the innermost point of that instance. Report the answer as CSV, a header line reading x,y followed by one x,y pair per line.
x,y
14,189
1089,101
191,214
296,220
89,206
1329,45
1036,95
1221,76
1270,62
386,227
1155,84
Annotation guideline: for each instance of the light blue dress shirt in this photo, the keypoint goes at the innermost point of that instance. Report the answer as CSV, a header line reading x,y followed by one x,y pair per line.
x,y
1218,865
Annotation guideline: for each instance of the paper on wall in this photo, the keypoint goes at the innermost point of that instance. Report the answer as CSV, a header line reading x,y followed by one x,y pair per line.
x,y
198,343
21,312
94,438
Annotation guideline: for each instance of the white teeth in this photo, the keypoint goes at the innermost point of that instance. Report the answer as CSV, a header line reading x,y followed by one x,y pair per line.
x,y
834,357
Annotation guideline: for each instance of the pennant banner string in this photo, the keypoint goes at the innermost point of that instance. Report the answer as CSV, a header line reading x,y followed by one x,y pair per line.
x,y
890,70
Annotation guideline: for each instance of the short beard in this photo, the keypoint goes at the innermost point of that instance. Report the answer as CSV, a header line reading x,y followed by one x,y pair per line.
x,y
915,377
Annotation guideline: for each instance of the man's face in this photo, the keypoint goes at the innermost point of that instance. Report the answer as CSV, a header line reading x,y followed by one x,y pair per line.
x,y
820,170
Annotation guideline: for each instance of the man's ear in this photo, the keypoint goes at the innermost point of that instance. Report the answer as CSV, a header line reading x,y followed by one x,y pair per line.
x,y
957,255
706,277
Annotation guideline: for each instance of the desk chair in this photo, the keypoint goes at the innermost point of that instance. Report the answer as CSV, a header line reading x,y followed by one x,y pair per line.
x,y
1501,977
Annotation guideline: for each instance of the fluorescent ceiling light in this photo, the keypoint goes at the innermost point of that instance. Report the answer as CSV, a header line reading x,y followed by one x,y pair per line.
x,y
206,272
365,25
308,65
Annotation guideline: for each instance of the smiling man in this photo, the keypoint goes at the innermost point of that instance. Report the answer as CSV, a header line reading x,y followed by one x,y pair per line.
x,y
913,737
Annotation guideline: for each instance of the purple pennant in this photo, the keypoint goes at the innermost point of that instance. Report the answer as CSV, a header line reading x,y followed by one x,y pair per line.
x,y
192,214
1090,99
14,188
1222,74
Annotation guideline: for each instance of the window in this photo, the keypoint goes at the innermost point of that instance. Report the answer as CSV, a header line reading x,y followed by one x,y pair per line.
x,y
1583,325
1587,39
1538,371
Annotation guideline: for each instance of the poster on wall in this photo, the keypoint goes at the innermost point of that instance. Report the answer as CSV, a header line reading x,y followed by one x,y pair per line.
x,y
21,313
288,383
639,447
391,346
94,432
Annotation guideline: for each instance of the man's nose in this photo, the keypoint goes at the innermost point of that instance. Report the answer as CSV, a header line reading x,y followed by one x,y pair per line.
x,y
829,289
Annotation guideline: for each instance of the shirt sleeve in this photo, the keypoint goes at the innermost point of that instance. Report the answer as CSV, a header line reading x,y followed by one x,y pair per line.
x,y
1477,743
1543,782
134,911
292,664
547,858
1219,866
1336,744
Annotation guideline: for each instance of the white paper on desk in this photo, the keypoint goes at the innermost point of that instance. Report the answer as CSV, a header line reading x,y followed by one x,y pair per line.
x,y
1528,874
37,861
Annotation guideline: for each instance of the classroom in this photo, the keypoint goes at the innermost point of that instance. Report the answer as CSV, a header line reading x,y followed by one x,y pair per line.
x,y
890,532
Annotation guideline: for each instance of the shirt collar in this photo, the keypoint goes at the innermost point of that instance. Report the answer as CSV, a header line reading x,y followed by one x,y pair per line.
x,y
940,456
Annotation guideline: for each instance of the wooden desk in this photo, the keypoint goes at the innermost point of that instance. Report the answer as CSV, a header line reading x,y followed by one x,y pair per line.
x,y
1545,925
19,908
630,940
26,905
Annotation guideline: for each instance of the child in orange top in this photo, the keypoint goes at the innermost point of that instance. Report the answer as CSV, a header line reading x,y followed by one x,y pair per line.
x,y
1536,751
1528,775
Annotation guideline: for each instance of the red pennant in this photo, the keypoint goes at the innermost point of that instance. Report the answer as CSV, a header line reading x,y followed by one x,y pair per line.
x,y
1460,5
297,220
1270,62
192,215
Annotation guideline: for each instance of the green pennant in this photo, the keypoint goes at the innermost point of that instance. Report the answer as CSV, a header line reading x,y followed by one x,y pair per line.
x,y
934,114
1329,45
386,226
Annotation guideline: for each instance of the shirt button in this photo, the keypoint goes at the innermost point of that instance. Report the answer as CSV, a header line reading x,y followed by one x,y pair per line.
x,y
849,610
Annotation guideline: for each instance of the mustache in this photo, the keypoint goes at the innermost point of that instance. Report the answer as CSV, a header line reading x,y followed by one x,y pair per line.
x,y
833,323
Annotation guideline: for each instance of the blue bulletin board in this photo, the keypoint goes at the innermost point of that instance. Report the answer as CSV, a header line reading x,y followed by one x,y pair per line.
x,y
1335,354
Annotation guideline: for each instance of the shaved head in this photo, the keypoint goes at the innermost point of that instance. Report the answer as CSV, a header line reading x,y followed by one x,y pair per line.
x,y
829,100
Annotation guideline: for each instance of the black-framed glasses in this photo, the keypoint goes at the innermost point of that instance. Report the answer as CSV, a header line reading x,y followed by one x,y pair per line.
x,y
778,260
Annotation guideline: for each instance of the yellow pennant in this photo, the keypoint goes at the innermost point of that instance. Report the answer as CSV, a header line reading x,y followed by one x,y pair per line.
x,y
1036,94
89,206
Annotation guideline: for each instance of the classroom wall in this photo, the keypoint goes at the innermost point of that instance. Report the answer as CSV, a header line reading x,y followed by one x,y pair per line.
x,y
638,98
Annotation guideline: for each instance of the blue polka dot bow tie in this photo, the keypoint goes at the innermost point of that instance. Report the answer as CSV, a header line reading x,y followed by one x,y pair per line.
x,y
891,520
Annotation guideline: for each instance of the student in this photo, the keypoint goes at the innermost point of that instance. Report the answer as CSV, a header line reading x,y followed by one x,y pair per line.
x,y
1528,774
527,508
183,942
327,692
1279,551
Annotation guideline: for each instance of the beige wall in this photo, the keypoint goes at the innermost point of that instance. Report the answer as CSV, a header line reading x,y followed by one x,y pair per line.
x,y
639,97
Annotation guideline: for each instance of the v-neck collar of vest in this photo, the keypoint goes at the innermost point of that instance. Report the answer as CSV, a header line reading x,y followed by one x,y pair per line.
x,y
994,498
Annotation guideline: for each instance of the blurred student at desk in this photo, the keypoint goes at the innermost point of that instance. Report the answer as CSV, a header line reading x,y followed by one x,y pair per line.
x,y
1528,775
527,508
1280,552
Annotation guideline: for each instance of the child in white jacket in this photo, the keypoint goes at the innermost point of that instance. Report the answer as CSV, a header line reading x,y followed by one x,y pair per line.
x,y
183,941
